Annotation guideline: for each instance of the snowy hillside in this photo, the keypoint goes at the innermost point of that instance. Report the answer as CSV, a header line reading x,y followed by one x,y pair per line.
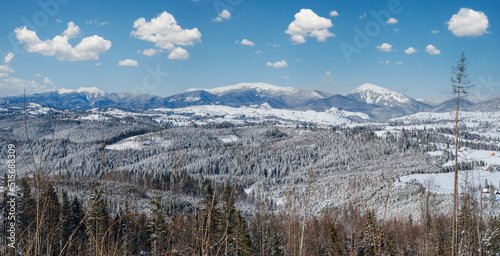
x,y
237,115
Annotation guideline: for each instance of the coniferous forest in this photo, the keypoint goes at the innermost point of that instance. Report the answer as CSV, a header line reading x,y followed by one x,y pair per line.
x,y
226,189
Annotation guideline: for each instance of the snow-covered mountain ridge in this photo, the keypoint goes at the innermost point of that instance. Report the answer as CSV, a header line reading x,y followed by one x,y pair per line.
x,y
368,100
259,87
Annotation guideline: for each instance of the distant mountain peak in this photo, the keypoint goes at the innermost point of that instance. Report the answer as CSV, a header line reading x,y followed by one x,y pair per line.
x,y
374,94
371,87
90,92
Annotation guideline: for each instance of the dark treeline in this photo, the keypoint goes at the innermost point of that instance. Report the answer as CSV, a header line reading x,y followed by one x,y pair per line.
x,y
66,226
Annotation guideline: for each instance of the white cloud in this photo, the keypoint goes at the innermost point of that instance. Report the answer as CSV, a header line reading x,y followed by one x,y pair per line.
x,y
362,16
258,52
38,75
72,31
468,22
385,47
247,42
98,64
225,14
104,23
398,63
411,50
15,86
387,61
178,54
285,77
435,31
149,52
58,20
8,57
47,81
384,62
165,33
128,63
392,21
277,64
88,49
328,73
307,23
334,13
432,50
5,70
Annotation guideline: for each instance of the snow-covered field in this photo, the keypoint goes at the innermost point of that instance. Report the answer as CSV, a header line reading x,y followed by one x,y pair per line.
x,y
138,142
443,182
487,156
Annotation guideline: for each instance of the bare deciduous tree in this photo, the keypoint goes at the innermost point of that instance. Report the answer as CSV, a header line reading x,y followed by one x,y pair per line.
x,y
460,83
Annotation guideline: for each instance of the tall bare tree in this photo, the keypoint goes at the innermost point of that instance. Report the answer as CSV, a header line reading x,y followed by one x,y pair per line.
x,y
460,83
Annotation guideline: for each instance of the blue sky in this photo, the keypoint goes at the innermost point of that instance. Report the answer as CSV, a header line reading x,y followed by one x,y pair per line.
x,y
196,44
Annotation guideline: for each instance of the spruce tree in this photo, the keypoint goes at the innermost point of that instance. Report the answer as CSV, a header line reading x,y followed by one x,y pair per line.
x,y
157,227
76,225
98,222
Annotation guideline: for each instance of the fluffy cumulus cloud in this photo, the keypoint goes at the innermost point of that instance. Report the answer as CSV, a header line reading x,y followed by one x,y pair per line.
x,y
72,31
165,33
178,54
247,42
309,24
468,22
8,57
385,47
277,64
89,48
225,14
128,63
432,50
392,21
411,50
334,13
14,86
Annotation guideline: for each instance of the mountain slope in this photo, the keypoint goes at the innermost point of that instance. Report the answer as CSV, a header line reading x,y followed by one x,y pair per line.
x,y
486,106
451,105
395,103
